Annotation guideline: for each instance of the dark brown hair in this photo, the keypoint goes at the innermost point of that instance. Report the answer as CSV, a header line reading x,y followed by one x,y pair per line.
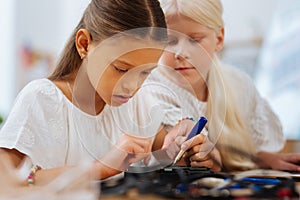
x,y
105,18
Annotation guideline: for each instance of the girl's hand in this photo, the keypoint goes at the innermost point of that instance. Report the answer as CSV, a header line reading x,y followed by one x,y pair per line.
x,y
200,150
180,130
176,137
204,154
127,150
136,148
280,161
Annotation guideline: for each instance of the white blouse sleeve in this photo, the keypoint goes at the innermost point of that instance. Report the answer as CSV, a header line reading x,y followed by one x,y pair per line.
x,y
36,125
174,102
265,127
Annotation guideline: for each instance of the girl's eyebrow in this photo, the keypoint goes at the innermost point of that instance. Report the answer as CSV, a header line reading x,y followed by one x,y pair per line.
x,y
192,34
196,34
125,63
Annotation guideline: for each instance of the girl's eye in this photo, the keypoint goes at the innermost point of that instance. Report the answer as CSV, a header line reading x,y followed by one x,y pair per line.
x,y
146,73
172,41
120,69
195,40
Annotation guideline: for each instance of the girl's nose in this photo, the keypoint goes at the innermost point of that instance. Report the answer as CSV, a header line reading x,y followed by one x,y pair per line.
x,y
131,84
181,53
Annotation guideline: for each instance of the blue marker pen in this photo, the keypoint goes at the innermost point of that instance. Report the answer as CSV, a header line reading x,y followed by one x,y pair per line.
x,y
270,181
195,131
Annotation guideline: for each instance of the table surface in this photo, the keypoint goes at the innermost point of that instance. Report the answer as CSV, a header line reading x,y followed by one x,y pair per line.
x,y
133,194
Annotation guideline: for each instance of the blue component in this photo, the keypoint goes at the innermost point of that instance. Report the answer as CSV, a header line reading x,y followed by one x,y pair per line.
x,y
262,180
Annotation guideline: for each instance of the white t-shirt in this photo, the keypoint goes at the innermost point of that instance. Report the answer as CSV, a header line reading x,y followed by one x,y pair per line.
x,y
178,103
47,127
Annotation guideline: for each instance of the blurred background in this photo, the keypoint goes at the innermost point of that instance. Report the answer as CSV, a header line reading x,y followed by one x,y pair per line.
x,y
262,38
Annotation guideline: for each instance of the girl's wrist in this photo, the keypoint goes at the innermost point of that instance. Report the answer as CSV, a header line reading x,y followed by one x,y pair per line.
x,y
32,174
101,171
185,118
96,170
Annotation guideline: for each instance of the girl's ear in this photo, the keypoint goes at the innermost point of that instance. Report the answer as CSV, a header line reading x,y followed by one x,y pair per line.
x,y
83,40
220,40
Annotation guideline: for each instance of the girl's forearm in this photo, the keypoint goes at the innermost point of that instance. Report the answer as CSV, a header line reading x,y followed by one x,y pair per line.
x,y
100,171
45,176
97,171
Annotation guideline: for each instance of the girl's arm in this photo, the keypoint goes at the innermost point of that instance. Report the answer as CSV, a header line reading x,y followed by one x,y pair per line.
x,y
15,156
159,139
42,177
126,151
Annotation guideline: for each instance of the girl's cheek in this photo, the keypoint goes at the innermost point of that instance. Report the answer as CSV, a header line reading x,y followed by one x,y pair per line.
x,y
166,59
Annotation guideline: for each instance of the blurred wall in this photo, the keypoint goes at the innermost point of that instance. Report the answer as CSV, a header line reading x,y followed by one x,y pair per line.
x,y
38,30
279,76
35,33
246,19
7,55
246,24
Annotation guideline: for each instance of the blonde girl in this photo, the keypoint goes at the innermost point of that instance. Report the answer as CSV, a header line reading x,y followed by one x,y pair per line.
x,y
245,130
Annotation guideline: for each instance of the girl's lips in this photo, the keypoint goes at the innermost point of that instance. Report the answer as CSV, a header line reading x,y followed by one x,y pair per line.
x,y
121,99
184,68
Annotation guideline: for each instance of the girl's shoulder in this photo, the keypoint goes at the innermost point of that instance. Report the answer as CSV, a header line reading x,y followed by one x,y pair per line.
x,y
39,84
42,89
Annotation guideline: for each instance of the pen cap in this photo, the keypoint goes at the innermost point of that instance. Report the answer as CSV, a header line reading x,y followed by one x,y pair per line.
x,y
197,128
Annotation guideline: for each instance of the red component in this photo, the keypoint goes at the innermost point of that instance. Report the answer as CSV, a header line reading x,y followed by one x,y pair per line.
x,y
284,192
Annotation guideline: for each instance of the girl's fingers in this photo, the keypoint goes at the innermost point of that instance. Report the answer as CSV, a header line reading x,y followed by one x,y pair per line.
x,y
199,156
211,160
180,140
204,149
207,163
198,139
287,166
147,159
291,157
132,158
134,145
176,131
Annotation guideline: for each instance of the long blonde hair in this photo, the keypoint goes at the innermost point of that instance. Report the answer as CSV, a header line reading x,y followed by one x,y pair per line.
x,y
226,126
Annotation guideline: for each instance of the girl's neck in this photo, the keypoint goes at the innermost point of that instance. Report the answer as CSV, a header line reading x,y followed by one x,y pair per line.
x,y
200,90
83,94
87,101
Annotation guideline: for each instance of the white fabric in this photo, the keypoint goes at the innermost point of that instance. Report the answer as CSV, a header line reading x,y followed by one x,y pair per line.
x,y
178,103
47,127
71,184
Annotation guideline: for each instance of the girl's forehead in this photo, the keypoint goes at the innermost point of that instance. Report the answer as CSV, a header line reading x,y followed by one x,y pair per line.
x,y
131,52
196,30
173,18
181,22
134,42
140,57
